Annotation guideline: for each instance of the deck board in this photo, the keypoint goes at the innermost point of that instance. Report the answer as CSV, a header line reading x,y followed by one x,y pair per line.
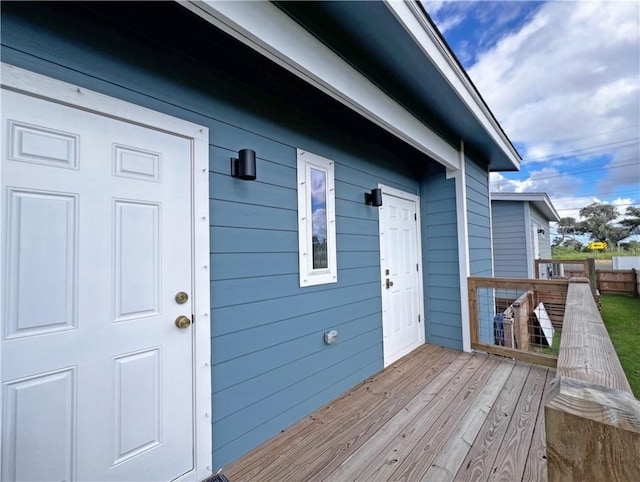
x,y
437,414
512,456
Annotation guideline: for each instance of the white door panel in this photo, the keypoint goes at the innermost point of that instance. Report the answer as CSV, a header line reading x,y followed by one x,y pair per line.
x,y
402,326
96,242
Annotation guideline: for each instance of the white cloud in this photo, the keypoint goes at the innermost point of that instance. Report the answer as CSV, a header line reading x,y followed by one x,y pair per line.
x,y
319,223
548,180
571,72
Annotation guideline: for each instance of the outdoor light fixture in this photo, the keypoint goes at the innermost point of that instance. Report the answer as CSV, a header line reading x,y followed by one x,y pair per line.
x,y
244,166
541,231
374,198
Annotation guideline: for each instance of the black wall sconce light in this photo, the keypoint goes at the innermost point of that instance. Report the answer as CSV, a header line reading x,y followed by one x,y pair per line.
x,y
541,231
374,198
244,166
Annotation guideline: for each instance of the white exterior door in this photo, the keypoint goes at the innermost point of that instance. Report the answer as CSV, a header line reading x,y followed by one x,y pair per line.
x,y
97,379
402,318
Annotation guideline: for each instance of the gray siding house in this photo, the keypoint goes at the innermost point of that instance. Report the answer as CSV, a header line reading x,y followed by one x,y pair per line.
x,y
219,216
521,232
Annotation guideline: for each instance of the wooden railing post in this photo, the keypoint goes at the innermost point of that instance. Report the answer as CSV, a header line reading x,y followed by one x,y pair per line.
x,y
592,420
591,272
473,310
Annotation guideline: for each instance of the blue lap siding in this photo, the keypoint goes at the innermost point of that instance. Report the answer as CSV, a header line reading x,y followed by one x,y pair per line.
x,y
440,260
510,239
479,216
270,366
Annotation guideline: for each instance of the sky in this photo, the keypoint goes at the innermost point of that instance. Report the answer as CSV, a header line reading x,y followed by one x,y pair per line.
x,y
318,204
563,80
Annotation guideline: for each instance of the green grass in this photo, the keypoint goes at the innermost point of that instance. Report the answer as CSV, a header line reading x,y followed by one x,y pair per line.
x,y
621,315
554,349
606,255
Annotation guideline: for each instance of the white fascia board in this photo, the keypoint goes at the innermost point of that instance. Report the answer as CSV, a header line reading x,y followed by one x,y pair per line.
x,y
418,27
271,32
540,200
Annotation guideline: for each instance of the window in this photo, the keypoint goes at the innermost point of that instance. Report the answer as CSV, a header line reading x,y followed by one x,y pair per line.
x,y
316,220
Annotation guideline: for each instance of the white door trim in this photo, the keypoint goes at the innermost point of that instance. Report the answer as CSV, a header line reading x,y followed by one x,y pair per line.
x,y
23,81
416,199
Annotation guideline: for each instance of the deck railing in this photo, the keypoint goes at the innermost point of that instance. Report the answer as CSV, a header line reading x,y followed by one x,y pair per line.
x,y
566,269
518,318
592,419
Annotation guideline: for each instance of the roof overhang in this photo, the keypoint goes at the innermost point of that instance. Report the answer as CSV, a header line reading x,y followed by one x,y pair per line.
x,y
272,31
540,200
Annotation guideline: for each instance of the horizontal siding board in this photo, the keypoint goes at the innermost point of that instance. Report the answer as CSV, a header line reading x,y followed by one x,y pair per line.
x,y
441,276
241,240
269,407
446,309
262,361
358,259
247,265
356,210
253,342
307,356
441,220
229,188
358,242
363,177
453,332
441,254
509,241
479,231
240,215
443,268
443,292
268,172
478,215
240,317
249,290
349,225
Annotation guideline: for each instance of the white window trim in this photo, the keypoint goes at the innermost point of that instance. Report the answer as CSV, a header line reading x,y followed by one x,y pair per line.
x,y
308,275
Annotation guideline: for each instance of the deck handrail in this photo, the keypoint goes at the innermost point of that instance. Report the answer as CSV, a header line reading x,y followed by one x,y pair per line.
x,y
592,419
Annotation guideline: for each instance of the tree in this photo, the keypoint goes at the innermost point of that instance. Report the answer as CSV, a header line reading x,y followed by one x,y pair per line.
x,y
598,225
566,230
632,221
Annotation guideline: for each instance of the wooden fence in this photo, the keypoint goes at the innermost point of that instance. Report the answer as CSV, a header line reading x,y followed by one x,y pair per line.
x,y
604,280
517,330
618,281
592,420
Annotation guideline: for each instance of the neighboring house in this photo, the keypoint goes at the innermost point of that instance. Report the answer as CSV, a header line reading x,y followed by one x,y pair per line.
x,y
521,232
162,317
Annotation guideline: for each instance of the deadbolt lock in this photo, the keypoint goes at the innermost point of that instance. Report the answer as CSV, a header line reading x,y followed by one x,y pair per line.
x,y
183,321
181,297
389,283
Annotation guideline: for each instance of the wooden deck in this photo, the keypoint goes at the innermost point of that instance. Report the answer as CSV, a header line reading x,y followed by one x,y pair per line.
x,y
435,415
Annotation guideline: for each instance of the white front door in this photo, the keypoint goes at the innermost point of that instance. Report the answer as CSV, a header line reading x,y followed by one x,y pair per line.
x,y
97,379
402,320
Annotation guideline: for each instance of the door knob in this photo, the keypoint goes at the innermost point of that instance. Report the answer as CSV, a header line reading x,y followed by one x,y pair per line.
x,y
181,297
183,321
389,283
